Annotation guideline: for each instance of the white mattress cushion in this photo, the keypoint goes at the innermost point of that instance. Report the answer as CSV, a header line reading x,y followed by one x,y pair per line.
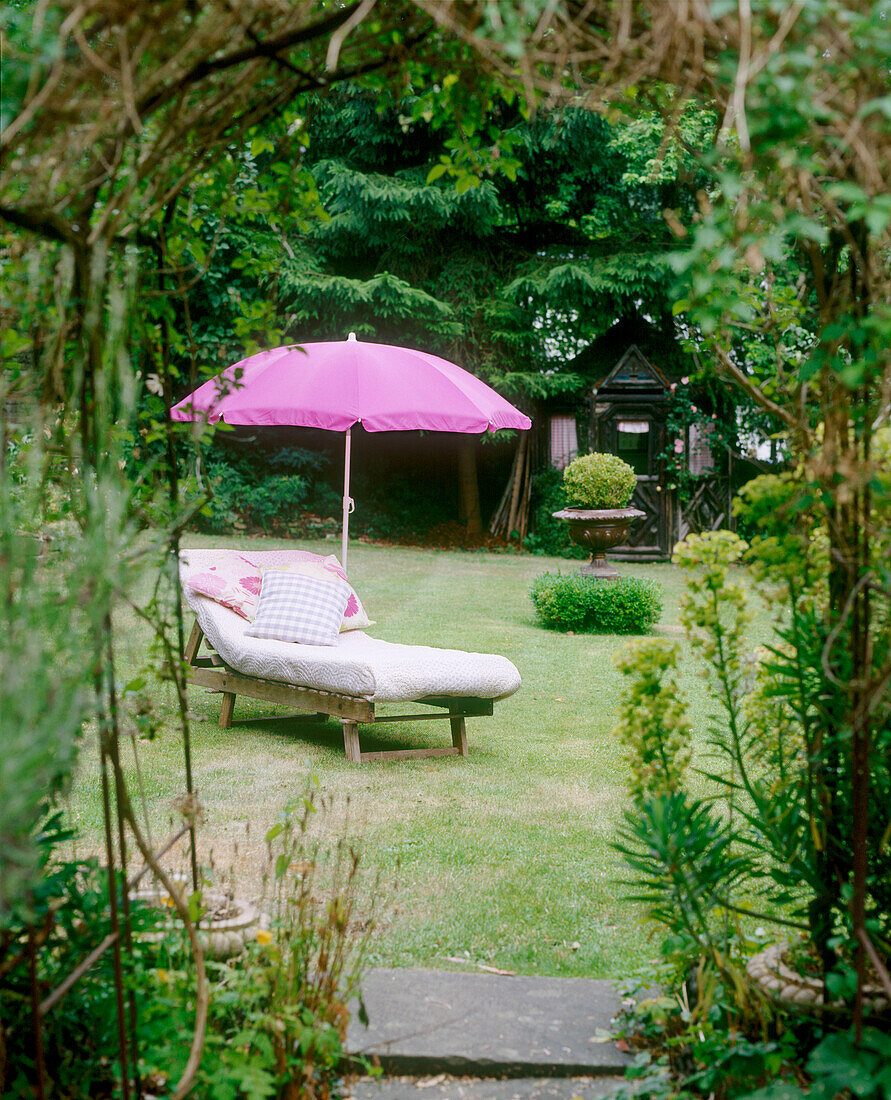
x,y
357,665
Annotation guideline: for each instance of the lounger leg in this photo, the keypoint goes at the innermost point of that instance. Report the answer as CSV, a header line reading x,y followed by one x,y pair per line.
x,y
193,644
351,742
459,733
226,708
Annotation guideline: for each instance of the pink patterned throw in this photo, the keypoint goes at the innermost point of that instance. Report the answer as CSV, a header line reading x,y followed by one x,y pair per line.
x,y
235,580
231,580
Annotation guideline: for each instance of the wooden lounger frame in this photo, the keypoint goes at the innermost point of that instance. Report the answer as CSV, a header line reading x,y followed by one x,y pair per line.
x,y
211,672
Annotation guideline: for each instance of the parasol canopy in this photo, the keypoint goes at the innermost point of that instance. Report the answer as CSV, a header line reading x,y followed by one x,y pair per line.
x,y
335,384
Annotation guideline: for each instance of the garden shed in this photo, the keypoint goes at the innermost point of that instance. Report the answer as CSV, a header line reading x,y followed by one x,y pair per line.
x,y
632,404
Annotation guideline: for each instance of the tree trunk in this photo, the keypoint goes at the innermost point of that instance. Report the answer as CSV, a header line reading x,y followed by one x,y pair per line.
x,y
469,502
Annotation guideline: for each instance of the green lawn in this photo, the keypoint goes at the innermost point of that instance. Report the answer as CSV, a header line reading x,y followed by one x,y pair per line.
x,y
503,858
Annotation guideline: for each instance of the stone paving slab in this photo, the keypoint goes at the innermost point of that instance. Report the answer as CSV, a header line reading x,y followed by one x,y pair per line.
x,y
486,1025
444,1087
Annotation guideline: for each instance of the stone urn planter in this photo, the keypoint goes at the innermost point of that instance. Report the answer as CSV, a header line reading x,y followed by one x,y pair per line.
x,y
228,923
774,975
599,487
599,529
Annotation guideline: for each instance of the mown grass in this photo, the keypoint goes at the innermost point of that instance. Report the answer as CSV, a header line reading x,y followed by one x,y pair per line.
x,y
502,859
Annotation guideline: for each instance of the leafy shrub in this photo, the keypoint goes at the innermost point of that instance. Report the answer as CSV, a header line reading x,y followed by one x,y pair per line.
x,y
273,501
690,1052
45,686
583,604
264,504
399,505
550,537
264,495
68,916
772,841
277,1013
599,480
841,1065
659,748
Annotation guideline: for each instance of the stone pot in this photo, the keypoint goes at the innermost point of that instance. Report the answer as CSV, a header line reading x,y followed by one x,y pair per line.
x,y
230,923
784,984
598,529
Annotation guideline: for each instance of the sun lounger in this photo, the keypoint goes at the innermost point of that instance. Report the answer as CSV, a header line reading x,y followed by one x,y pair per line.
x,y
347,680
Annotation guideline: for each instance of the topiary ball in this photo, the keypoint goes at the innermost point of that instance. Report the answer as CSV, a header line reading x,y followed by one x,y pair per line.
x,y
599,481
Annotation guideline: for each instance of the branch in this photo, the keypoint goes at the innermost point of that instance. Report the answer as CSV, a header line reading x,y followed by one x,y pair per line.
x,y
337,39
267,48
880,968
754,391
58,70
800,925
736,107
41,222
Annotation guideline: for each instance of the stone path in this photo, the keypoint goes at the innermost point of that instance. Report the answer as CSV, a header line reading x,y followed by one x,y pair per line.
x,y
444,1087
453,1036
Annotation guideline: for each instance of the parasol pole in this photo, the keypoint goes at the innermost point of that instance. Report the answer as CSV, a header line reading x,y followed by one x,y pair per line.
x,y
348,503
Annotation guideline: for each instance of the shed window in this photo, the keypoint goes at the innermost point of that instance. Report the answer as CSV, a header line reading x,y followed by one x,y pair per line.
x,y
564,440
633,444
701,456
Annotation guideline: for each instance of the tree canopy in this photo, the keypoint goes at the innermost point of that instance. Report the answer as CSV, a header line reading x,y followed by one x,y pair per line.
x,y
511,275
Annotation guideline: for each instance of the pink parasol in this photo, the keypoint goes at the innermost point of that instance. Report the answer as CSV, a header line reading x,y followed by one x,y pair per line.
x,y
336,384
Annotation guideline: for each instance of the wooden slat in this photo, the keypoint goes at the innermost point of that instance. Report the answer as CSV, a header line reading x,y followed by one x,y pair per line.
x,y
460,704
378,718
407,754
212,660
341,706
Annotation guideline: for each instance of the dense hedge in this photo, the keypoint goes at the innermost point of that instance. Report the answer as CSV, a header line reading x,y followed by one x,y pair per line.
x,y
583,604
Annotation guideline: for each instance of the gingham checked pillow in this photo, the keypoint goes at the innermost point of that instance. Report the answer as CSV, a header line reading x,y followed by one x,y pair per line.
x,y
295,608
355,616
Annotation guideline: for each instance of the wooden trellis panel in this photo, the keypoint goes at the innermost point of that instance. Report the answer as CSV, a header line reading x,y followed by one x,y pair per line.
x,y
707,510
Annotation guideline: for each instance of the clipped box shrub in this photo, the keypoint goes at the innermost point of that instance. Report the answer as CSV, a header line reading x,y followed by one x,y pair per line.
x,y
598,481
570,602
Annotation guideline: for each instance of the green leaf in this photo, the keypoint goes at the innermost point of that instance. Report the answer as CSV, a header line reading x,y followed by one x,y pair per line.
x,y
879,1041
195,906
466,182
841,1064
778,1090
260,145
436,171
883,105
13,343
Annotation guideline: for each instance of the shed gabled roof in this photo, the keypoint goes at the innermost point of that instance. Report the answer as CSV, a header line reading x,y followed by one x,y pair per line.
x,y
633,353
633,371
